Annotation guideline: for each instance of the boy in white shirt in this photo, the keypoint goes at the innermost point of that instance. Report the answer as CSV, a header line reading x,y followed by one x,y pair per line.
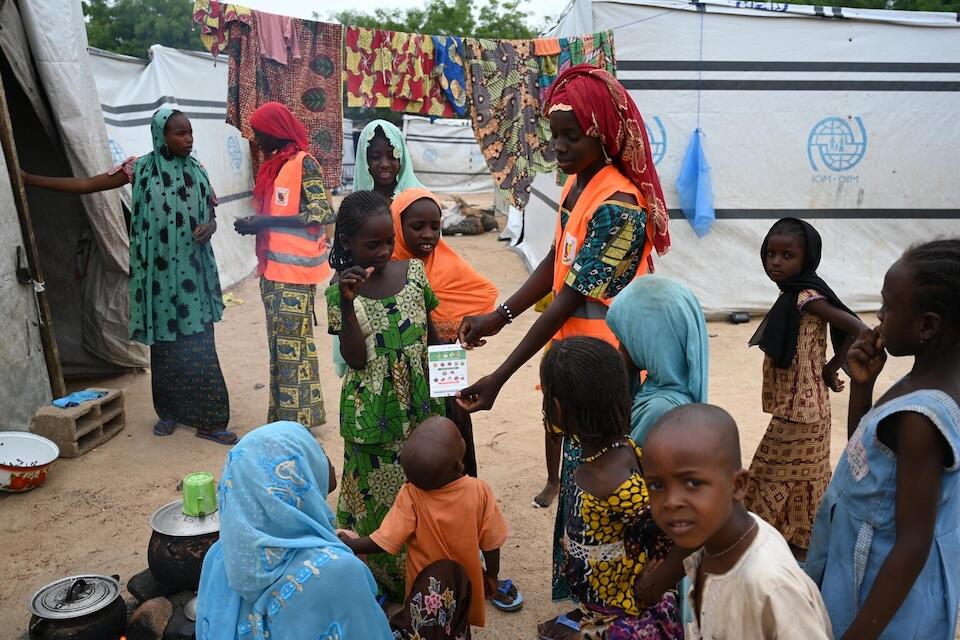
x,y
744,582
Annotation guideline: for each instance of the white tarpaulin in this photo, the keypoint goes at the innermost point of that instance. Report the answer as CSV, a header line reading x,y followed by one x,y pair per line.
x,y
131,90
446,156
845,117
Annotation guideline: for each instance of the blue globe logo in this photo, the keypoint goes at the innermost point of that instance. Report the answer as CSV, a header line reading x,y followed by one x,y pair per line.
x,y
233,151
835,143
658,139
116,152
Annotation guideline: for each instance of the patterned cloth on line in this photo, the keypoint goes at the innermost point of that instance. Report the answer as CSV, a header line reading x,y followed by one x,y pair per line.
x,y
595,49
311,87
393,70
450,73
187,382
514,138
295,393
214,19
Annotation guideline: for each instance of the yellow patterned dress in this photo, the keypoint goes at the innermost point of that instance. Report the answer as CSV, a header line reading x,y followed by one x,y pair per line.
x,y
790,470
295,393
607,542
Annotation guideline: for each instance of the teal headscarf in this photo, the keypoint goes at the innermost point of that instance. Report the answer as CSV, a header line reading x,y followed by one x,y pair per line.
x,y
279,571
660,324
174,284
362,180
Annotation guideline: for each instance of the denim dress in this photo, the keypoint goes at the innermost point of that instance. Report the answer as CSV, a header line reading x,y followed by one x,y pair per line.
x,y
855,528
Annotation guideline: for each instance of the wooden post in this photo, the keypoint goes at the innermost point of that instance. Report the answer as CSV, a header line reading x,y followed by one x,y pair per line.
x,y
51,351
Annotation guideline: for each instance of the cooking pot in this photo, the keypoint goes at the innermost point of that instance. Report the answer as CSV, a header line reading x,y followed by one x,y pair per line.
x,y
178,544
85,607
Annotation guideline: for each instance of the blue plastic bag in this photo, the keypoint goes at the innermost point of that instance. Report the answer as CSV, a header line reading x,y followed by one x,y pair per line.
x,y
695,187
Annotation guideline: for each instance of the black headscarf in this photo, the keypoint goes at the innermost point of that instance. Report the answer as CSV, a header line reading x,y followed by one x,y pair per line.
x,y
777,334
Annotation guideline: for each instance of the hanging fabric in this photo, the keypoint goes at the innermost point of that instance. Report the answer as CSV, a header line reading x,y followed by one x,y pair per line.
x,y
214,20
393,70
277,36
311,87
502,80
449,71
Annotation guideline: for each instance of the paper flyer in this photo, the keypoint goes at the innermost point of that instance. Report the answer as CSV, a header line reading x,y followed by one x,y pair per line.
x,y
447,369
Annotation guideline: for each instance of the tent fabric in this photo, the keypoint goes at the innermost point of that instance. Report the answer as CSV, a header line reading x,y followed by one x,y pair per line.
x,y
88,228
848,123
446,157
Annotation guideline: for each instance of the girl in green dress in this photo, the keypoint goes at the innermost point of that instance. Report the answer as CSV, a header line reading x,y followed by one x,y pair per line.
x,y
381,311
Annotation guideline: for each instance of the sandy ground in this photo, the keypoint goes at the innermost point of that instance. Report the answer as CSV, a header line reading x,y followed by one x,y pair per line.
x,y
91,515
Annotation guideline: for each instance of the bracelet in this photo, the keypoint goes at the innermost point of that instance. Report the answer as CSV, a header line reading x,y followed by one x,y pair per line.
x,y
504,311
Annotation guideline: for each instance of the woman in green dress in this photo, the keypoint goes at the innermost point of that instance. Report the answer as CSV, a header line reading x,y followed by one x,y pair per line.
x,y
175,292
380,308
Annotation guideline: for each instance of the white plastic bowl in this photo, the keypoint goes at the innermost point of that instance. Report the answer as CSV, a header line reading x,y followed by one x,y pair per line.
x,y
25,459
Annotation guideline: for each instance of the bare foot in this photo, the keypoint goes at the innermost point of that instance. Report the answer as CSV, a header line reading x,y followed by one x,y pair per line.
x,y
546,497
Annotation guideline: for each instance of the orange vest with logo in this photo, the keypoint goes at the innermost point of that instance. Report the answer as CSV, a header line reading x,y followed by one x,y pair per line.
x,y
590,317
294,255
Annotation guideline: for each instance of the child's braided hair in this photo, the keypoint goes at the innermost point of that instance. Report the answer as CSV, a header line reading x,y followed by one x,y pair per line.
x,y
588,378
936,276
354,209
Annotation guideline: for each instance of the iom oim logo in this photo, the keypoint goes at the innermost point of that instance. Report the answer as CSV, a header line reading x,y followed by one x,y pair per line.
x,y
234,153
658,139
836,145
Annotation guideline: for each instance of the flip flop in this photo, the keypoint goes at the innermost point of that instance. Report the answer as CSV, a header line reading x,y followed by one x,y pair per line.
x,y
506,586
220,437
563,620
164,427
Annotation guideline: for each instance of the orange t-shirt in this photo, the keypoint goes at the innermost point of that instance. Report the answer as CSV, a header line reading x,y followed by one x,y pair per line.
x,y
454,522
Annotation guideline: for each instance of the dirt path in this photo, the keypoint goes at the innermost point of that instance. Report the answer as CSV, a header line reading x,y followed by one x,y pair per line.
x,y
91,516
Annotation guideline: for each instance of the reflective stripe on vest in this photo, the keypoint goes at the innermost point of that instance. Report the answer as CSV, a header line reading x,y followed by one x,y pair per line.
x,y
589,318
295,255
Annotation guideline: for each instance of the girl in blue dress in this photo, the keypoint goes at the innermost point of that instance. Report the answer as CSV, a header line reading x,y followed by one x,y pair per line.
x,y
885,549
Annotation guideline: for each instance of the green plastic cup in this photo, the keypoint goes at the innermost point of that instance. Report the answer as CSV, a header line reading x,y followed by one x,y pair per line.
x,y
199,494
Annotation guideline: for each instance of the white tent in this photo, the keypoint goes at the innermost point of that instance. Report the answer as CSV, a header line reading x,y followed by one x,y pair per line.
x,y
446,156
845,117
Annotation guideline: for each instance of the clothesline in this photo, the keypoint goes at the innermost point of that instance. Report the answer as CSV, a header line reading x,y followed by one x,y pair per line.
x,y
499,84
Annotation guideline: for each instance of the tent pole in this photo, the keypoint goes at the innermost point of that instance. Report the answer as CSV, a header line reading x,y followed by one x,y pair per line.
x,y
51,353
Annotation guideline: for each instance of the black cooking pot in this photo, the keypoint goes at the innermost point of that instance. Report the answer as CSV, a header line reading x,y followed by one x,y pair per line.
x,y
178,544
79,608
176,561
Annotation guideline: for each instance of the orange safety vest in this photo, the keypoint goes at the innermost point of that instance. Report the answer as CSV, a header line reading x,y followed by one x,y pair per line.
x,y
294,255
590,318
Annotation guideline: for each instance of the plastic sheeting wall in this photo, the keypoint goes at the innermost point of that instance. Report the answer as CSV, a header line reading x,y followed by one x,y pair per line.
x,y
131,90
849,123
446,156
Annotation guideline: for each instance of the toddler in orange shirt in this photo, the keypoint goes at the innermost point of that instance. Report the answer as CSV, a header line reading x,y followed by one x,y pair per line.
x,y
442,514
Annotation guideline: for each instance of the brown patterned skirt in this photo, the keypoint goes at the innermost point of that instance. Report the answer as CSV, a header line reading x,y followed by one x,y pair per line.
x,y
789,475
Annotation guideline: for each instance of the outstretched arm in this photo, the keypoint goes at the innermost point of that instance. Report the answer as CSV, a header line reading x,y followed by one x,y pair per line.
x,y
840,319
360,546
102,182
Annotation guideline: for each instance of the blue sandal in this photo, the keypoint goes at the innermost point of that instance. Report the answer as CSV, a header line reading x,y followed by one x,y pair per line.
x,y
561,620
164,427
506,588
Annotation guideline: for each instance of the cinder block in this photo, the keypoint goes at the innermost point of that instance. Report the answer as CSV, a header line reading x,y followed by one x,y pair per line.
x,y
77,430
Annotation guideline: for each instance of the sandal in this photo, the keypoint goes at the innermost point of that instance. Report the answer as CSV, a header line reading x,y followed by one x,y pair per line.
x,y
572,629
220,437
507,589
164,427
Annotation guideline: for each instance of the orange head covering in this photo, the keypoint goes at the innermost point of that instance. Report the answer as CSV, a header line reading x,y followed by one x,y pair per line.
x,y
461,290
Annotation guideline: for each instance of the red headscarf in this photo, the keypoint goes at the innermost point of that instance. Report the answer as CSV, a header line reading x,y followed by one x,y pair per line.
x,y
605,110
274,119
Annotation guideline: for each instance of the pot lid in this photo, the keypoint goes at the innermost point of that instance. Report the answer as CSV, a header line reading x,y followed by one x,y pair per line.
x,y
171,521
74,597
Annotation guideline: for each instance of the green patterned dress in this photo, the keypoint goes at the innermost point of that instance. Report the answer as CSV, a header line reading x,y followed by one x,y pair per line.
x,y
379,406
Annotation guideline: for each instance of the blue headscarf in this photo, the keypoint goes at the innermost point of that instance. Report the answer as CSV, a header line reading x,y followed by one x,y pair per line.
x,y
362,180
279,570
660,324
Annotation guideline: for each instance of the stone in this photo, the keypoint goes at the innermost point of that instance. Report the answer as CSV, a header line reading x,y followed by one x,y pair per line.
x,y
145,586
150,620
